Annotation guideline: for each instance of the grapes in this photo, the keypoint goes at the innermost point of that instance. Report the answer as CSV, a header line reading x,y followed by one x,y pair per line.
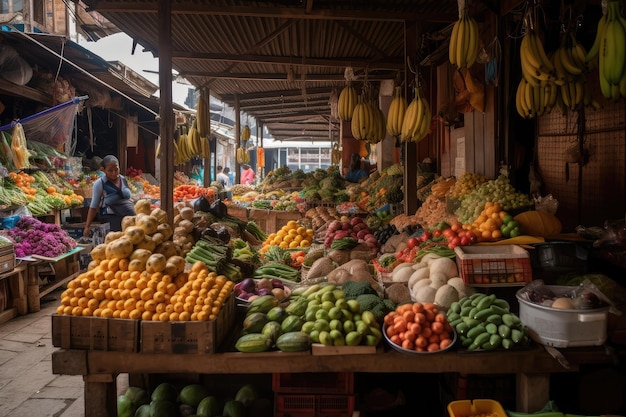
x,y
466,184
498,191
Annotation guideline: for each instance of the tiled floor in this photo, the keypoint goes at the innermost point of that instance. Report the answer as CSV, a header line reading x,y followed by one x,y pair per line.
x,y
27,385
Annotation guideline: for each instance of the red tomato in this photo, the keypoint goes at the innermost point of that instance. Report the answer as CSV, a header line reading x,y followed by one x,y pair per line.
x,y
412,242
436,233
448,233
425,236
465,241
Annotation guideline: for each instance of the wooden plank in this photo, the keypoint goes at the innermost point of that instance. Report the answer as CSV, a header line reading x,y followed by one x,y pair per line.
x,y
490,148
8,314
69,362
479,142
533,392
100,397
470,142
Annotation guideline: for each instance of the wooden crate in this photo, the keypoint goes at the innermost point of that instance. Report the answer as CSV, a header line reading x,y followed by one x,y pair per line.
x,y
95,333
188,336
262,219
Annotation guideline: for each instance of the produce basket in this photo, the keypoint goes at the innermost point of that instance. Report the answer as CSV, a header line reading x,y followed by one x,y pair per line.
x,y
469,408
497,265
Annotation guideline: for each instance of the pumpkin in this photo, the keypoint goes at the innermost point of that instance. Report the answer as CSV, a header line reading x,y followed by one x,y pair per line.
x,y
156,263
538,223
119,248
143,206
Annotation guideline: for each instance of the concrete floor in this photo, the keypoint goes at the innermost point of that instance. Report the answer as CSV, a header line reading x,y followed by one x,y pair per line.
x,y
27,385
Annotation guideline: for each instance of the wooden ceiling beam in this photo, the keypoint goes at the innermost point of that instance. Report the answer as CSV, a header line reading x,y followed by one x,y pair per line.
x,y
292,117
273,95
355,62
310,104
191,7
282,76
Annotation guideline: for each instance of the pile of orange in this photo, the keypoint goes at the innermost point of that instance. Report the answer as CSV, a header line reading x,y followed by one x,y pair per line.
x,y
487,226
111,290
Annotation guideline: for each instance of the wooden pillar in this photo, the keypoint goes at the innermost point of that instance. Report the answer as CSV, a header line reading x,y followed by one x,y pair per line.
x,y
410,148
237,139
166,113
349,145
205,93
100,395
386,149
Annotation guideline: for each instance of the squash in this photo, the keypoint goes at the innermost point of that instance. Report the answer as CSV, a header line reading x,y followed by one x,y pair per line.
x,y
419,284
459,285
148,223
98,253
538,223
128,221
437,279
119,248
156,263
446,295
143,206
135,234
418,275
402,274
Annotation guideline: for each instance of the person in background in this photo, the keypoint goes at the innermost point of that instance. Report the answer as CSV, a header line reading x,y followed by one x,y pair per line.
x,y
110,201
355,173
223,177
247,174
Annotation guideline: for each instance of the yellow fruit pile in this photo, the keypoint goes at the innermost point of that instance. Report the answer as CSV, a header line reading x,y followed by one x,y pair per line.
x,y
111,290
292,235
487,225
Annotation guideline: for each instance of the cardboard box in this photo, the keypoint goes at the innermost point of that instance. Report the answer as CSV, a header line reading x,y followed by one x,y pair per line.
x,y
496,265
98,231
95,333
199,337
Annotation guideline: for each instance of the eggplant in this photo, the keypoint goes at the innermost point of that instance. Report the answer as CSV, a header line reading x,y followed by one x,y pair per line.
x,y
202,204
218,209
276,283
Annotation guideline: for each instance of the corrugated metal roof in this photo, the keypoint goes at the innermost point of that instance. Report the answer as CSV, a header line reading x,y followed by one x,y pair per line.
x,y
282,58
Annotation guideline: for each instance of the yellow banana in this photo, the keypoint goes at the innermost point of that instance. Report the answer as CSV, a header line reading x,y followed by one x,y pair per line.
x,y
595,47
452,47
567,62
395,116
409,120
461,45
537,48
473,43
519,100
347,102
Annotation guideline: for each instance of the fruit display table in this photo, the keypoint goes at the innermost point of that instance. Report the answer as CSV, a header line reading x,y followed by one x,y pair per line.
x,y
532,368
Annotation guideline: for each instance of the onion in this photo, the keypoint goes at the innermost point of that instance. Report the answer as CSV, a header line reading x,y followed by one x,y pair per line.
x,y
248,285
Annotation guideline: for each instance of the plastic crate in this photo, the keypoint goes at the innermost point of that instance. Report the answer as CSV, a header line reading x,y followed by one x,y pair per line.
x,y
318,405
313,383
469,408
495,265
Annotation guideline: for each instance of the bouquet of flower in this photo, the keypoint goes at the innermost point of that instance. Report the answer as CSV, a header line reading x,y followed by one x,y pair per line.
x,y
34,237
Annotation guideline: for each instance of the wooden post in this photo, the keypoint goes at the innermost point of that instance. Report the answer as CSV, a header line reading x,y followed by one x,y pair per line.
x,y
237,139
410,148
205,93
166,113
100,395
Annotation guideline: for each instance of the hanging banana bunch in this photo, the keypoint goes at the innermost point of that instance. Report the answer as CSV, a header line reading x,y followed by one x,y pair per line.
x,y
360,119
377,129
347,102
395,116
610,46
243,157
202,117
464,40
245,133
417,119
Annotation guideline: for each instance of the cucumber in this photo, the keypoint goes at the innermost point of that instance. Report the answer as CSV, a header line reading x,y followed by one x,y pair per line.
x,y
502,304
482,315
504,331
516,335
473,312
462,328
508,320
456,322
455,307
491,328
452,316
253,343
496,309
465,311
466,342
293,342
495,341
477,298
507,343
495,319
486,302
475,331
482,338
471,323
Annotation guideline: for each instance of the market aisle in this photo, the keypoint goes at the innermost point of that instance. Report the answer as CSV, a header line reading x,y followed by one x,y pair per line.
x,y
27,385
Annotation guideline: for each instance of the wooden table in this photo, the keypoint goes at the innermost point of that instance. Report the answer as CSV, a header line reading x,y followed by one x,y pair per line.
x,y
17,282
34,289
532,368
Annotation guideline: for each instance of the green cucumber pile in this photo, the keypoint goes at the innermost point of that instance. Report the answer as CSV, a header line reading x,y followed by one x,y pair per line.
x,y
485,322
